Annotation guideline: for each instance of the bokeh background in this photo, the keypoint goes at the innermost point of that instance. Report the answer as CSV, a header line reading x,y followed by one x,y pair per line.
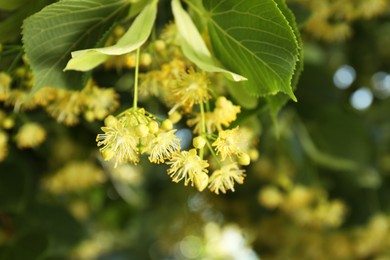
x,y
319,190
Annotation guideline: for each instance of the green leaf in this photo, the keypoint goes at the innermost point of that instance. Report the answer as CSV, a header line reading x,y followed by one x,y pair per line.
x,y
243,98
193,46
254,39
136,7
278,101
136,35
50,36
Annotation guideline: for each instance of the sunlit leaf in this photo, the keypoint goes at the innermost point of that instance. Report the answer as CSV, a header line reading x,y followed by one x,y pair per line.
x,y
193,46
50,36
278,101
136,35
254,39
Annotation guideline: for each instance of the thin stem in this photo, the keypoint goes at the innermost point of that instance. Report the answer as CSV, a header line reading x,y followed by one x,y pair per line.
x,y
203,120
203,126
135,100
213,153
15,61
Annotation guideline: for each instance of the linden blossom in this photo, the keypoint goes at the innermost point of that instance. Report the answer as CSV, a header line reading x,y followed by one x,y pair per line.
x,y
135,132
189,166
229,143
30,135
186,91
223,114
3,145
224,178
163,146
191,88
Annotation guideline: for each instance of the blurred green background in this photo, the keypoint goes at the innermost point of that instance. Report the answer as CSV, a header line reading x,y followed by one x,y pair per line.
x,y
320,189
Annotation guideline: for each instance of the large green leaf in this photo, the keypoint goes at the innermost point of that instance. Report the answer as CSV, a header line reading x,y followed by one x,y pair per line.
x,y
193,46
254,39
136,35
53,33
276,102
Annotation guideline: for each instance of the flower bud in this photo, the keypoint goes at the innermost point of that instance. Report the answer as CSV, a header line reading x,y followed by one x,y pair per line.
x,y
145,59
244,159
89,115
142,130
110,120
175,117
199,142
8,123
159,45
254,154
167,124
153,127
221,101
201,180
119,31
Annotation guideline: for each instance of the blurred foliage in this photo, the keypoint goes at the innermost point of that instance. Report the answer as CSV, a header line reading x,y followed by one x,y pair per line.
x,y
319,190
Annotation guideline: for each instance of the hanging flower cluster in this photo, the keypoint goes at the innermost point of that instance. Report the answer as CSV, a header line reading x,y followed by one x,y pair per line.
x,y
136,132
219,151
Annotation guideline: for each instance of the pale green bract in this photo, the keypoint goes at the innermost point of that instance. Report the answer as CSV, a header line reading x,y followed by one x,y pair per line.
x,y
193,46
135,36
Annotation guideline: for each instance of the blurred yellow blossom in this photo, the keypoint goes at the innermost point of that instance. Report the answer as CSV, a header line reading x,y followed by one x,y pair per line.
x,y
5,86
67,107
30,135
3,145
99,102
270,197
73,177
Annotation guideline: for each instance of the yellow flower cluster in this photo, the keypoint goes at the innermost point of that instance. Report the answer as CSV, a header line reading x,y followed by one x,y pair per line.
x,y
3,145
30,135
367,241
64,105
136,132
187,92
67,106
73,177
223,114
331,20
5,85
190,167
307,206
224,178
